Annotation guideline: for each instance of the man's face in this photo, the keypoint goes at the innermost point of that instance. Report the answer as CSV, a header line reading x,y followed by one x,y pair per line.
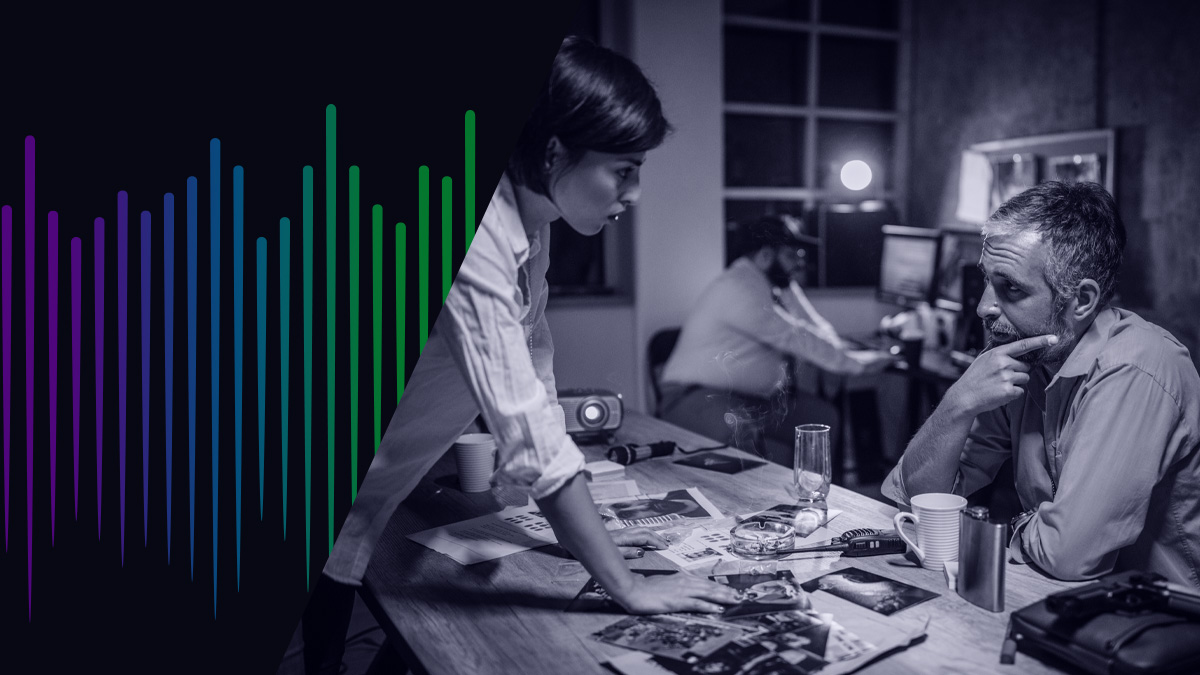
x,y
787,264
1018,301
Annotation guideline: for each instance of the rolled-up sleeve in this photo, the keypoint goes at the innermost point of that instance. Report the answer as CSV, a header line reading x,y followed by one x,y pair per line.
x,y
988,444
1125,433
490,340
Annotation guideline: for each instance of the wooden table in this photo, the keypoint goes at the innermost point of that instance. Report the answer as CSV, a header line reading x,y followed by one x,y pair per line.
x,y
506,615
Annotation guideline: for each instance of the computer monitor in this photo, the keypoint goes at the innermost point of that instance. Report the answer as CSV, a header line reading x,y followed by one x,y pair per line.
x,y
908,267
959,248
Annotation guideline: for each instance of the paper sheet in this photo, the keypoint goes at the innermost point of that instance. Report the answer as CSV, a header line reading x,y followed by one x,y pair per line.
x,y
489,537
613,489
663,510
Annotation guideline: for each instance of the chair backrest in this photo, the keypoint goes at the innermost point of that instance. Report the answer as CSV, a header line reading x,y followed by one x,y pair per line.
x,y
659,350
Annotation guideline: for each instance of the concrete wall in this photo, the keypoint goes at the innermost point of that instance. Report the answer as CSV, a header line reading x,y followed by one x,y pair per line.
x,y
987,71
593,345
678,232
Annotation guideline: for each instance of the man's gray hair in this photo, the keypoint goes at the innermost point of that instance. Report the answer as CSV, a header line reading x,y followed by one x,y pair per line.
x,y
1080,223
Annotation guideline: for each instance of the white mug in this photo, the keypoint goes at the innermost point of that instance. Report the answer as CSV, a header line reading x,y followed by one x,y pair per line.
x,y
936,516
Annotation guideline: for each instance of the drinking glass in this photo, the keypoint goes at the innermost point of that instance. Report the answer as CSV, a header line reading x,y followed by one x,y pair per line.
x,y
812,468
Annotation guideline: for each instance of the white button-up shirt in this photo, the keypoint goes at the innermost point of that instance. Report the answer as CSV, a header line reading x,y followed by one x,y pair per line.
x,y
490,353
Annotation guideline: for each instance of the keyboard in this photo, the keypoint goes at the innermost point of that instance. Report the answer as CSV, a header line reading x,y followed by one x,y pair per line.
x,y
871,341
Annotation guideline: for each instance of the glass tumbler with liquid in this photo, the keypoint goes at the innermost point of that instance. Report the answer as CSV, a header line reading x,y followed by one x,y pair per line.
x,y
812,468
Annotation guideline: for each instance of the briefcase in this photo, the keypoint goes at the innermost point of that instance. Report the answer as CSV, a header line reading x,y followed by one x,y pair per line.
x,y
1119,624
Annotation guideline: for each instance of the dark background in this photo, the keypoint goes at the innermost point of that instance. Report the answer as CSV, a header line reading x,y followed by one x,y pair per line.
x,y
128,100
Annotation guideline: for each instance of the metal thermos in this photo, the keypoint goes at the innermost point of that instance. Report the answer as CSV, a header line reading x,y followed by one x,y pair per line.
x,y
982,559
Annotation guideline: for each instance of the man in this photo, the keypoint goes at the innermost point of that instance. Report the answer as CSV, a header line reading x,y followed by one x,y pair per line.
x,y
728,377
1098,409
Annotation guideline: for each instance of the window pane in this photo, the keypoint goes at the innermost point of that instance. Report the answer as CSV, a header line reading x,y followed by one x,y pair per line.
x,y
796,10
854,245
857,73
840,142
884,14
576,263
766,66
763,151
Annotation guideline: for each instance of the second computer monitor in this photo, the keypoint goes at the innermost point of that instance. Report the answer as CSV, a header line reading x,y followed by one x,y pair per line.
x,y
960,248
908,269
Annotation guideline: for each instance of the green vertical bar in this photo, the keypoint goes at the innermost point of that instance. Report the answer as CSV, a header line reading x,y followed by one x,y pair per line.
x,y
447,238
307,227
401,287
377,313
469,177
330,301
353,333
423,251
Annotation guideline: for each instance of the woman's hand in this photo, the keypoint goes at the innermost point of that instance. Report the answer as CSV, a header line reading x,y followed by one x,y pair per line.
x,y
633,541
681,592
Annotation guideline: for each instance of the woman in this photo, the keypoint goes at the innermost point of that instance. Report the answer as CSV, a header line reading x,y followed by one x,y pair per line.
x,y
490,353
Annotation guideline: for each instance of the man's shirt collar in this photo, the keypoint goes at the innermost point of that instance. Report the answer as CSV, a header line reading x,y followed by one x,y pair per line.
x,y
1087,350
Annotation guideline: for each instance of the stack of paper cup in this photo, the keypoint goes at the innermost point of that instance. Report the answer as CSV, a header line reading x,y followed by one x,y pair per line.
x,y
476,454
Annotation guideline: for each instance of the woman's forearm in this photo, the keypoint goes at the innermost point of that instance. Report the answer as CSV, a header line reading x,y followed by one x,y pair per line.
x,y
573,516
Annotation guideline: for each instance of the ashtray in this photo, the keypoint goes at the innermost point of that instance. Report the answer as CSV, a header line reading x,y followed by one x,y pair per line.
x,y
760,539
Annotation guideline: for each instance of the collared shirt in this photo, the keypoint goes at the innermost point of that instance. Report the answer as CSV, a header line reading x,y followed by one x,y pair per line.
x,y
490,353
1106,456
737,337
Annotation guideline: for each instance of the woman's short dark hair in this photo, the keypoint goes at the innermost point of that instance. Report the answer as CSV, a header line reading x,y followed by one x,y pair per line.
x,y
594,99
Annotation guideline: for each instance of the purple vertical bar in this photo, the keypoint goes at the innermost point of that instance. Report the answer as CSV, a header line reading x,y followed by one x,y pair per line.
x,y
122,326
52,326
76,315
98,292
145,345
30,264
6,263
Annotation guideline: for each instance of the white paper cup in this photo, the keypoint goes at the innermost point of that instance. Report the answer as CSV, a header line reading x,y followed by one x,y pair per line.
x,y
476,455
936,516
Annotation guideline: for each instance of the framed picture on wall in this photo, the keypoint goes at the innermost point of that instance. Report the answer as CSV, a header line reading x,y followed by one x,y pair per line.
x,y
1012,175
1077,168
1019,163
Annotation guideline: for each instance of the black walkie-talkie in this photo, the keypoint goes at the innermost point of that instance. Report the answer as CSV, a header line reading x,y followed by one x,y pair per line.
x,y
857,544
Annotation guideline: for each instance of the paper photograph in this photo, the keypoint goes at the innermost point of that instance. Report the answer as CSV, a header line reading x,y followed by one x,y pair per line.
x,y
867,589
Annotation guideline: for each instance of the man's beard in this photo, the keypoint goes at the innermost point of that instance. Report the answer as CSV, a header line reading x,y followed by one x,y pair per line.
x,y
778,276
1001,332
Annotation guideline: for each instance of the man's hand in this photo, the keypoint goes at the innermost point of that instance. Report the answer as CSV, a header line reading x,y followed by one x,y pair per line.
x,y
680,592
633,541
996,377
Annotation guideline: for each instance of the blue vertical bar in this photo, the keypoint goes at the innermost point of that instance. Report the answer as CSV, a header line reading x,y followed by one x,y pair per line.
x,y
192,328
214,240
168,344
238,307
285,306
261,270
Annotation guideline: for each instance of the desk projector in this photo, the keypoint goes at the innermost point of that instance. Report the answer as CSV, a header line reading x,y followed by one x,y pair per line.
x,y
591,413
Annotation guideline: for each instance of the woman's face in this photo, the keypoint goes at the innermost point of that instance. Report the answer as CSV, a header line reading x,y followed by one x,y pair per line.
x,y
593,191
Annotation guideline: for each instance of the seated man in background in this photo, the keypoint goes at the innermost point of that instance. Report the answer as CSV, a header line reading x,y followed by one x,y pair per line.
x,y
729,376
1098,409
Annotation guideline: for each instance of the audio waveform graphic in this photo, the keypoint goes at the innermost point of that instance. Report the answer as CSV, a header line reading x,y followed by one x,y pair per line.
x,y
149,236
